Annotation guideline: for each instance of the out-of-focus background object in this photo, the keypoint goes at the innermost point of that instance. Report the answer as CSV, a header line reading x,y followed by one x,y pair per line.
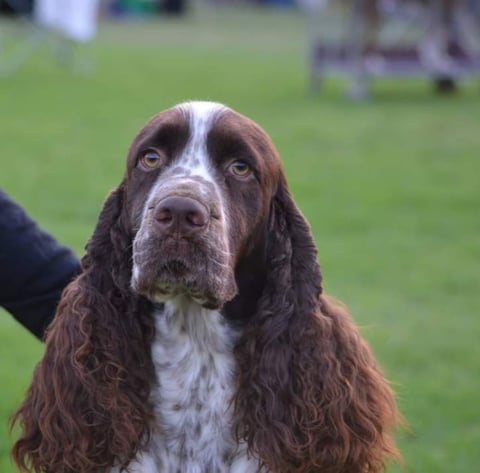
x,y
65,25
390,185
67,22
365,39
76,20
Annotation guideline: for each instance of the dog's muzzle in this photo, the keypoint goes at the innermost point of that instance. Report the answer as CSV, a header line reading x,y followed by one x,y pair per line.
x,y
182,246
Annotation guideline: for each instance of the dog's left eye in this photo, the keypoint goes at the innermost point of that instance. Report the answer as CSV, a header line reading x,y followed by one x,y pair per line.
x,y
150,159
240,168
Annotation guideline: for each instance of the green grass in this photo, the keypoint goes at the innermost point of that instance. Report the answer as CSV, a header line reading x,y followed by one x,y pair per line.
x,y
391,188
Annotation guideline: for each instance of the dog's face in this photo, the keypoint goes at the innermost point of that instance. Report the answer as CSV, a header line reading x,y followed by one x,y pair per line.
x,y
199,181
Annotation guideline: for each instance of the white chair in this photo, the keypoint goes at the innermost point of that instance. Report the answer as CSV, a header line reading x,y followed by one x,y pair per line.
x,y
63,24
74,19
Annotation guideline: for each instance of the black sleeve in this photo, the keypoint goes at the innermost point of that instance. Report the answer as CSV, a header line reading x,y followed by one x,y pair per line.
x,y
34,268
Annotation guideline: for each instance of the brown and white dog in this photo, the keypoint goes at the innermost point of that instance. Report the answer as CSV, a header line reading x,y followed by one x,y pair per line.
x,y
197,338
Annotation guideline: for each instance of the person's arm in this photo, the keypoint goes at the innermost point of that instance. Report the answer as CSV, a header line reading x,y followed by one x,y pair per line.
x,y
34,268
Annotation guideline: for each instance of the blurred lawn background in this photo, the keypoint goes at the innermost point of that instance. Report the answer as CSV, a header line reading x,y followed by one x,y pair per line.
x,y
391,188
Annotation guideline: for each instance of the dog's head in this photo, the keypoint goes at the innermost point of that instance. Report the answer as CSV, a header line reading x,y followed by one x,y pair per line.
x,y
198,183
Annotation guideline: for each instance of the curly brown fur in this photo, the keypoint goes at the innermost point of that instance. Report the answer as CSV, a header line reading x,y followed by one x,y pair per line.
x,y
87,407
310,397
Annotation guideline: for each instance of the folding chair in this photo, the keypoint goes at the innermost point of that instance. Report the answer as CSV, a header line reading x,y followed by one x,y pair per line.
x,y
62,23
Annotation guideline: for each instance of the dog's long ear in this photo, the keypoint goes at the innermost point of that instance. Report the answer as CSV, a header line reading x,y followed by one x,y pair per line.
x,y
310,395
87,406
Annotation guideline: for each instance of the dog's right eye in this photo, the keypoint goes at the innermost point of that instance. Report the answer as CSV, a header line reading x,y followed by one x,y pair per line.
x,y
150,160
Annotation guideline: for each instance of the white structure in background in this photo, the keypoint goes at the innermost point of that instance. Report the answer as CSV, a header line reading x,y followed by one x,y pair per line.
x,y
66,25
74,19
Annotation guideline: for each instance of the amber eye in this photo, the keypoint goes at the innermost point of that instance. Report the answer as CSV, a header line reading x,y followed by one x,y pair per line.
x,y
150,159
240,168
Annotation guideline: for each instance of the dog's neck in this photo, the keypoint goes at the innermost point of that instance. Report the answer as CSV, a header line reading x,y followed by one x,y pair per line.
x,y
195,368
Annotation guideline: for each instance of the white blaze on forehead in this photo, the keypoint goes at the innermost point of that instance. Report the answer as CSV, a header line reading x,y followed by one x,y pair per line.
x,y
193,161
201,116
191,174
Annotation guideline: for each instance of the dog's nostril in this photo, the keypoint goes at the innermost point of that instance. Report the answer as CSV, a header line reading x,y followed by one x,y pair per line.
x,y
197,219
181,213
164,215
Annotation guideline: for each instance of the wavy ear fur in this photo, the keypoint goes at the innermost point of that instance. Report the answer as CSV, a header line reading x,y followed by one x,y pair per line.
x,y
311,397
87,407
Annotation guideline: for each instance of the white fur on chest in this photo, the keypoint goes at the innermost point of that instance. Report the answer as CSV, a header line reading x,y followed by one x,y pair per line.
x,y
195,367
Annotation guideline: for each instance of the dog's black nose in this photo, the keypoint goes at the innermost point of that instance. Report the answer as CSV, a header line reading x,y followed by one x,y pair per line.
x,y
181,214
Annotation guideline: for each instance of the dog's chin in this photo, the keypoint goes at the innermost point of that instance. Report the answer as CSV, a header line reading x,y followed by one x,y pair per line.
x,y
175,279
169,290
